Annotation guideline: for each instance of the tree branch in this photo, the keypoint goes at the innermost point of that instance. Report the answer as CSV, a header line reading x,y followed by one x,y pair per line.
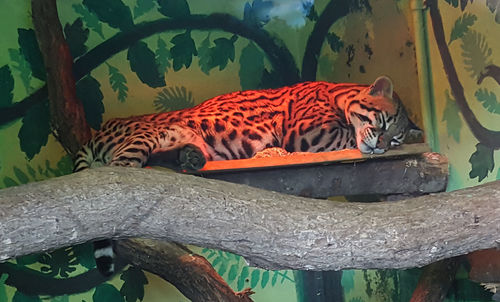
x,y
487,137
66,110
280,57
492,71
285,231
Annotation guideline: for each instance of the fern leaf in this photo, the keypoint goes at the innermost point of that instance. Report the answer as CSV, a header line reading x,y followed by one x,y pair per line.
x,y
173,98
476,53
488,100
461,26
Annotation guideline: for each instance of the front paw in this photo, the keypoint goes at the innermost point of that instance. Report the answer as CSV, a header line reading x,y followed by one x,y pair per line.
x,y
191,158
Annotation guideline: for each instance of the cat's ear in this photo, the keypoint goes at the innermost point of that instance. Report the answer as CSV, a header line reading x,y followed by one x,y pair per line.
x,y
382,87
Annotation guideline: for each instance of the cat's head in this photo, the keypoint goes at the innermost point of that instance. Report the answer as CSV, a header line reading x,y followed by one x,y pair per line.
x,y
378,117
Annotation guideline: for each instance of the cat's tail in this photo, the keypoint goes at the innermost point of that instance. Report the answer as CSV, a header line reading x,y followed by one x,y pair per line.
x,y
104,256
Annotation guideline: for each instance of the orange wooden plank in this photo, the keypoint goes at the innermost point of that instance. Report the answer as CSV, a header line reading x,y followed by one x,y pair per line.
x,y
349,155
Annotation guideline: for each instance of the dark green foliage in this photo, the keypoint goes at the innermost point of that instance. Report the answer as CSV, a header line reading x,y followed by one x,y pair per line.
x,y
118,83
174,8
59,262
265,279
84,254
452,118
453,3
3,293
133,287
251,67
476,53
89,18
162,56
64,166
482,162
22,66
143,63
34,132
173,98
6,86
21,176
20,297
76,36
28,259
107,293
334,41
488,100
211,57
9,182
31,52
461,26
242,279
257,13
183,50
88,90
463,4
142,7
113,12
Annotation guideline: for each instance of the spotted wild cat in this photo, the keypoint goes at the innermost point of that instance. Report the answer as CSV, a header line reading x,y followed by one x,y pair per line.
x,y
306,117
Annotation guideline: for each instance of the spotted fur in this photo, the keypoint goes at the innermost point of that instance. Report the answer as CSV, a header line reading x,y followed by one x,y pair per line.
x,y
306,117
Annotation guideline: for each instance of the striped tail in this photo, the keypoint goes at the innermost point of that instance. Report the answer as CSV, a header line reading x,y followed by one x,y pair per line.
x,y
104,257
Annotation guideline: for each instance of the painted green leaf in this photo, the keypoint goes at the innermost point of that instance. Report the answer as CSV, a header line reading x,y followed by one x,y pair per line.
x,y
265,279
89,18
22,66
107,293
313,14
482,162
142,7
60,262
461,26
222,268
162,56
242,279
34,132
31,171
9,182
233,272
451,115
217,261
118,83
65,165
88,90
76,36
274,279
64,298
3,292
84,254
204,55
6,86
476,53
254,278
31,52
20,297
183,50
251,67
223,52
113,12
498,174
21,176
257,13
488,100
28,259
143,63
336,44
133,287
453,3
174,8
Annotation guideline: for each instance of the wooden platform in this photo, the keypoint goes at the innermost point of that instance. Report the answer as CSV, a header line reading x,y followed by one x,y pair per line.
x,y
409,170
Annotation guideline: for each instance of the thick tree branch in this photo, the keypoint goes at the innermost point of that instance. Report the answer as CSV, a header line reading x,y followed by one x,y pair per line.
x,y
280,57
492,71
66,110
487,137
270,230
191,274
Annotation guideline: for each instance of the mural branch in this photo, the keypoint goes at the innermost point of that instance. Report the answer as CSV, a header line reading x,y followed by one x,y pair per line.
x,y
485,136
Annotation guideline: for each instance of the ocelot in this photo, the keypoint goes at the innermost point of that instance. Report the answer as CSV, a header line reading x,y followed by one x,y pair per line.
x,y
305,117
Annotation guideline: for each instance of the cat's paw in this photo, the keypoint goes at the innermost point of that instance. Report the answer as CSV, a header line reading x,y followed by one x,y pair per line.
x,y
191,158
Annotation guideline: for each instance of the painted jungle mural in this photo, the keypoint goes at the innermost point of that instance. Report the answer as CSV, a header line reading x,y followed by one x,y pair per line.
x,y
144,56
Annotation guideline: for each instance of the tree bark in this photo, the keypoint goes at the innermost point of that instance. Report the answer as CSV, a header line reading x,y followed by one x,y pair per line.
x,y
191,274
66,110
271,230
